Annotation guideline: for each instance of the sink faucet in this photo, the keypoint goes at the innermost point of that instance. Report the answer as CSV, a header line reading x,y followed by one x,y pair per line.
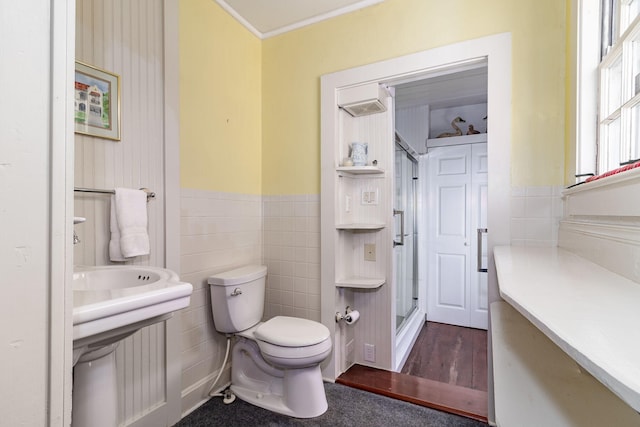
x,y
77,220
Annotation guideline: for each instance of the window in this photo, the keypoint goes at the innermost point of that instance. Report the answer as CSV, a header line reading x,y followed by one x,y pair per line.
x,y
619,84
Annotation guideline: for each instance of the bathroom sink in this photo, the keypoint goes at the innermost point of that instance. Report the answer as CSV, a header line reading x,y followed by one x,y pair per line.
x,y
112,302
109,304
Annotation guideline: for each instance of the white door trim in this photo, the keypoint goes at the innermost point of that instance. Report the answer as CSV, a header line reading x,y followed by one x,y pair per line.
x,y
496,50
61,175
173,327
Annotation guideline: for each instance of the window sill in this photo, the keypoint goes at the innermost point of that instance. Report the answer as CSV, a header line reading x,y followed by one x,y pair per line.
x,y
622,177
613,197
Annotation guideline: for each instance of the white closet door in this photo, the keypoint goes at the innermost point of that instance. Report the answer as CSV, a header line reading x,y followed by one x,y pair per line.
x,y
457,208
478,303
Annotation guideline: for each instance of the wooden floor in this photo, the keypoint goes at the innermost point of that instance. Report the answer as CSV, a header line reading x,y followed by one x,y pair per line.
x,y
446,370
450,354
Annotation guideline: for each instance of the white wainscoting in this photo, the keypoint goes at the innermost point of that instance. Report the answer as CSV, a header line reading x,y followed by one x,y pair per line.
x,y
219,231
535,215
126,38
601,223
292,255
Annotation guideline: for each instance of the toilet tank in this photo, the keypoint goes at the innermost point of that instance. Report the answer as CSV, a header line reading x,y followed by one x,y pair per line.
x,y
237,298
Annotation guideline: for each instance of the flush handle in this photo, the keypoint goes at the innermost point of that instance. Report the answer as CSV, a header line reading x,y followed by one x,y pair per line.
x,y
236,292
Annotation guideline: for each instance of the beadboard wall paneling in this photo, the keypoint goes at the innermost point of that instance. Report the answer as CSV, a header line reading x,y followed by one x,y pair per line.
x,y
413,124
126,38
219,231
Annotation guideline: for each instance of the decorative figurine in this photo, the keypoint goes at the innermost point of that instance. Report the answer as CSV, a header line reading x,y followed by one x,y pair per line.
x,y
472,131
458,131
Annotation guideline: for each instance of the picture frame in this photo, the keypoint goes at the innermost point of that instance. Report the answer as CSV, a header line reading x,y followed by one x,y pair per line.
x,y
97,102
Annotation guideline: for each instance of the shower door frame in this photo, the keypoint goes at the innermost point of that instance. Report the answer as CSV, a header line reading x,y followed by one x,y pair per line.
x,y
406,334
413,158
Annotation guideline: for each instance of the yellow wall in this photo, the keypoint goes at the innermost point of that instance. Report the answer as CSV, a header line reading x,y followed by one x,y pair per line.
x,y
220,101
250,109
570,91
293,63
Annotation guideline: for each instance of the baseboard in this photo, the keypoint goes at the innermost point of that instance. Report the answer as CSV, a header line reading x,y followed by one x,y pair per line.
x,y
196,395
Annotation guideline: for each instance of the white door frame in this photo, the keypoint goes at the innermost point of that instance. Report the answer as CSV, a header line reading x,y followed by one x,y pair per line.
x,y
496,50
61,159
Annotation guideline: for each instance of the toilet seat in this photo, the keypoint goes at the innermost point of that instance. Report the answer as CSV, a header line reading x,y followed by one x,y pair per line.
x,y
311,352
293,338
291,332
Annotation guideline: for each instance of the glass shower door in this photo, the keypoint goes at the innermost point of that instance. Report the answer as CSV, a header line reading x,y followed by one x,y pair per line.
x,y
406,235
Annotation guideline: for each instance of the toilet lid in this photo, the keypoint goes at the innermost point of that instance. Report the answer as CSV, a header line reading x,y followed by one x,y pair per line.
x,y
291,332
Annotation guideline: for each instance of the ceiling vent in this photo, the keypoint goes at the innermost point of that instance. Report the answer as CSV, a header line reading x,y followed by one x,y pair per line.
x,y
363,100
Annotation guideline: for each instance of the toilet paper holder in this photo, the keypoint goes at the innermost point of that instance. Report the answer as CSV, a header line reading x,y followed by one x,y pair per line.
x,y
350,316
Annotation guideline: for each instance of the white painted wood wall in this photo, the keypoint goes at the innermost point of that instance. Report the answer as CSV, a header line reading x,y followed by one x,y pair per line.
x,y
374,326
413,124
126,38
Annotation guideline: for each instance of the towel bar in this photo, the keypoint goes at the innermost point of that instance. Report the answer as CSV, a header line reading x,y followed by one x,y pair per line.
x,y
150,194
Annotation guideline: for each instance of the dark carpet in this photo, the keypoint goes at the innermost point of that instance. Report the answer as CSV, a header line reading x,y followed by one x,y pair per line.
x,y
348,407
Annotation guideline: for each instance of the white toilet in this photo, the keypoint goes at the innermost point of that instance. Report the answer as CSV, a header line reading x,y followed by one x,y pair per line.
x,y
274,364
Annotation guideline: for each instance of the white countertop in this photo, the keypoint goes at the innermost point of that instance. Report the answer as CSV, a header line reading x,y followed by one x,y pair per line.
x,y
591,313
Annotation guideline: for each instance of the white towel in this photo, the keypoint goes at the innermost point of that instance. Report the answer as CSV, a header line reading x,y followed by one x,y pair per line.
x,y
115,254
130,220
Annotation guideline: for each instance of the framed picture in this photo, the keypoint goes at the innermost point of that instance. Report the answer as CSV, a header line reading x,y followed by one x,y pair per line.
x,y
97,102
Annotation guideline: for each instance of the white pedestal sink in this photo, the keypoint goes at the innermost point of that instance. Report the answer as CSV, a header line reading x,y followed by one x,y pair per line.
x,y
109,304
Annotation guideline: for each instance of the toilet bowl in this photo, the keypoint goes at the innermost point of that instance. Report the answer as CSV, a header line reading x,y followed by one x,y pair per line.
x,y
274,364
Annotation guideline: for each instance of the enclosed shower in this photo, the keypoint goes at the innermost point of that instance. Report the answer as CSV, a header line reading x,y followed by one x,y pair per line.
x,y
405,243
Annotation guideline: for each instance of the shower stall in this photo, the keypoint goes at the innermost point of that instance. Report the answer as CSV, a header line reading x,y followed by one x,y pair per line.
x,y
409,314
405,243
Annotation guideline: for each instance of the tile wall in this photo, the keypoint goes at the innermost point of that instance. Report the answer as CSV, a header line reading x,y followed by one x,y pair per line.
x,y
535,215
219,231
292,255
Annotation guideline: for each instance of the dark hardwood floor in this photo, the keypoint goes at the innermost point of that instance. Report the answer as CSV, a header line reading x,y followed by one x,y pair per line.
x,y
446,370
450,354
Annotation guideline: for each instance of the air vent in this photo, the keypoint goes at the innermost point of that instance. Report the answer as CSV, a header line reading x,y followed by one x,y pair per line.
x,y
364,108
363,100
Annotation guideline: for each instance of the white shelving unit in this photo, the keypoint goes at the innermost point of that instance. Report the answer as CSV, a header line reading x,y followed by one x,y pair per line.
x,y
456,140
356,233
360,227
360,282
586,368
360,170
362,204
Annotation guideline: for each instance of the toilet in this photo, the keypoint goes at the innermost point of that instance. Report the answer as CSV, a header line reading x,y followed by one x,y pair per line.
x,y
274,364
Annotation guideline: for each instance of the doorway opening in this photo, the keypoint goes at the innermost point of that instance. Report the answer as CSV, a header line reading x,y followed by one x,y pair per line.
x,y
494,53
451,187
441,124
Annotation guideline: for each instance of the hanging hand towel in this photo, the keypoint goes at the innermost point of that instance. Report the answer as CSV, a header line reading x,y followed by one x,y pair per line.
x,y
115,254
131,214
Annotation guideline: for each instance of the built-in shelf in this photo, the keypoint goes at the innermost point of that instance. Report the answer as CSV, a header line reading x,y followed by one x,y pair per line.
x,y
589,312
360,170
537,384
361,283
456,140
360,227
